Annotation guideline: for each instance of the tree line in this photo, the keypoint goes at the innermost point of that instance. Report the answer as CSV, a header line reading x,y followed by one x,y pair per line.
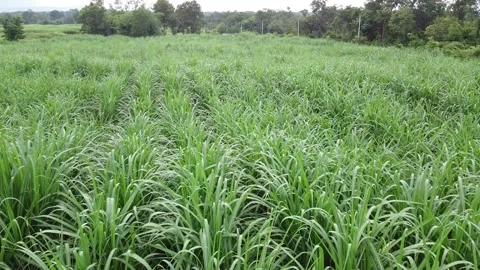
x,y
453,26
133,18
400,22
45,17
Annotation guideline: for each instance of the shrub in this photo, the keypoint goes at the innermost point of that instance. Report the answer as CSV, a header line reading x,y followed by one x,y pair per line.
x,y
13,28
476,52
432,43
221,28
415,41
332,35
472,52
360,40
469,32
454,45
460,51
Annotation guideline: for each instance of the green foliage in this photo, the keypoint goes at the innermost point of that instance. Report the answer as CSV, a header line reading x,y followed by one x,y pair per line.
x,y
345,24
143,23
13,28
47,17
454,45
445,29
375,19
415,41
55,15
138,23
469,32
166,12
360,40
473,52
28,16
462,9
189,16
402,23
221,28
432,43
94,20
276,27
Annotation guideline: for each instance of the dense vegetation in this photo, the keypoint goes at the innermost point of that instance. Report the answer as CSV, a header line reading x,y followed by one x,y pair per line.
x,y
12,28
55,17
236,152
453,26
134,19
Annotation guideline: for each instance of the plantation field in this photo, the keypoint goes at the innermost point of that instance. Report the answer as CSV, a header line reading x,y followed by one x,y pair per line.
x,y
236,152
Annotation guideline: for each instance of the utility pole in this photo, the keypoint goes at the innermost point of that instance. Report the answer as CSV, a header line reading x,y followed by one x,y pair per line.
x,y
262,27
241,27
298,27
359,22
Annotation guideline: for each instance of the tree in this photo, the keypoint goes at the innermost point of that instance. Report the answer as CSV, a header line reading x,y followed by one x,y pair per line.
x,y
221,28
144,23
345,23
319,8
461,8
248,24
376,17
263,19
318,5
117,5
189,15
94,19
445,29
55,15
13,28
28,16
401,23
136,4
138,23
71,16
166,12
426,11
121,22
276,27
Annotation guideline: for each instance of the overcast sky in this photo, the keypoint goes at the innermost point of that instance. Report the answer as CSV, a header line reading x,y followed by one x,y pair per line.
x,y
207,5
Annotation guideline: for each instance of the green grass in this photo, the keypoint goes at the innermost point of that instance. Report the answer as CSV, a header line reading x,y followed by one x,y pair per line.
x,y
236,152
37,31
